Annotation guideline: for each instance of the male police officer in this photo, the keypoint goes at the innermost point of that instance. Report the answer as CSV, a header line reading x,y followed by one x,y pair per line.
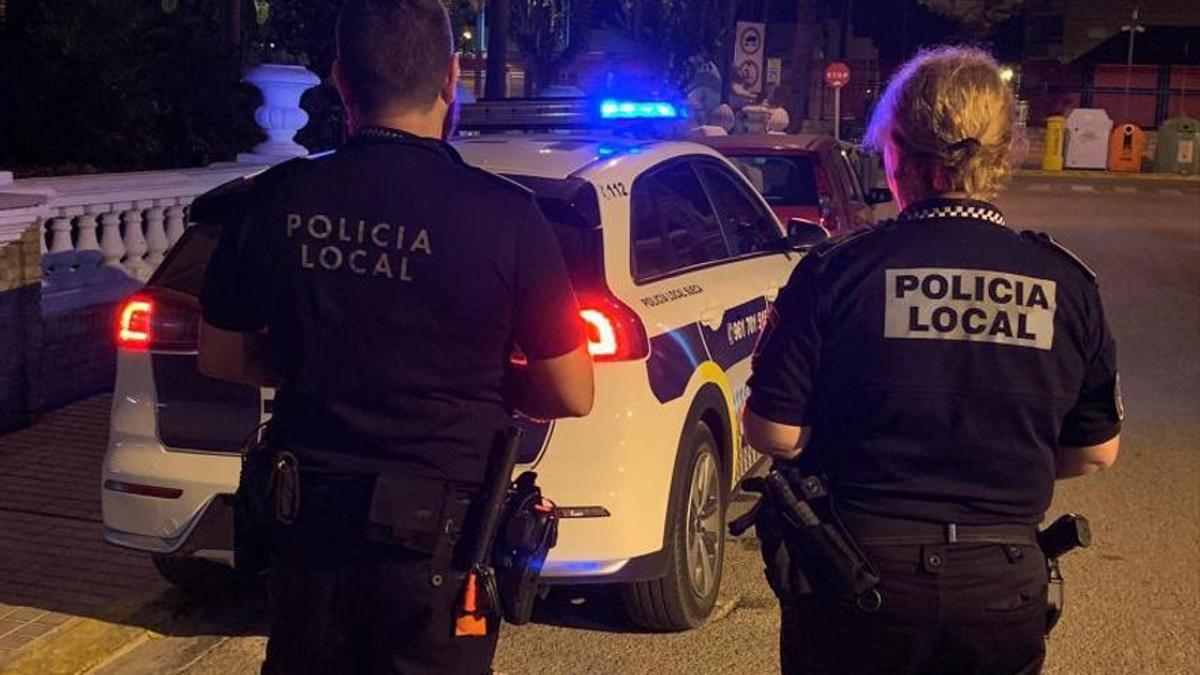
x,y
941,371
383,288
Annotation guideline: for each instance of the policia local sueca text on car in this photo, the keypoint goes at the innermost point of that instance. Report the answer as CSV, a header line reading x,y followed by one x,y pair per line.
x,y
382,288
939,372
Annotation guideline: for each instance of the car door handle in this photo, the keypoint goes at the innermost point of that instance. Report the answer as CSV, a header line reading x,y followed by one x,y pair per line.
x,y
712,318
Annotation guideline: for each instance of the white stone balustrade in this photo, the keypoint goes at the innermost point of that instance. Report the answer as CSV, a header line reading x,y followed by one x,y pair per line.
x,y
104,235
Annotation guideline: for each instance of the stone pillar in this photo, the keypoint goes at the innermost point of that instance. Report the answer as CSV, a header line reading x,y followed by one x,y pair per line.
x,y
175,224
156,233
112,247
280,116
20,305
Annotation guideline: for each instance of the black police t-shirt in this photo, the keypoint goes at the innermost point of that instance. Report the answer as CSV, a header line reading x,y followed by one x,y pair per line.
x,y
941,361
393,280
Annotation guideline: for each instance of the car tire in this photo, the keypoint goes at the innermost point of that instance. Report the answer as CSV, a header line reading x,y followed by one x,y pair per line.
x,y
695,543
197,576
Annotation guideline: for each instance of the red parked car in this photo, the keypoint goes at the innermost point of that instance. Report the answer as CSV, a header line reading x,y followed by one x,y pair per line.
x,y
804,176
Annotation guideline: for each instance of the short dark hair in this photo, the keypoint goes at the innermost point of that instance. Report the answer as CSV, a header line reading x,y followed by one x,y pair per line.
x,y
393,52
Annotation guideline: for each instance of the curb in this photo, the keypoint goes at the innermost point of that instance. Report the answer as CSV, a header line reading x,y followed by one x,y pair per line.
x,y
83,643
1076,174
79,646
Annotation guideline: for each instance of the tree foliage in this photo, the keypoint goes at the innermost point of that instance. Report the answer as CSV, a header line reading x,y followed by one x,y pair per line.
x,y
976,18
118,85
138,84
549,34
673,31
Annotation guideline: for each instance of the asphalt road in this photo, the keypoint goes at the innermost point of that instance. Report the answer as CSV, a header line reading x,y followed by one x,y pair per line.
x,y
1133,597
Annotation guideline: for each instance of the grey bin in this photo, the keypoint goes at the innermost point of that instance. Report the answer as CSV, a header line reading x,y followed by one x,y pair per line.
x,y
1178,146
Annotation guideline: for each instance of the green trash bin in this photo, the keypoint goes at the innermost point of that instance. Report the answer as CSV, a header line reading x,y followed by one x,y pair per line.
x,y
1178,146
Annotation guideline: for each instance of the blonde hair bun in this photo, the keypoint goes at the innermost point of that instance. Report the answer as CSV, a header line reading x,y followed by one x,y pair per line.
x,y
950,117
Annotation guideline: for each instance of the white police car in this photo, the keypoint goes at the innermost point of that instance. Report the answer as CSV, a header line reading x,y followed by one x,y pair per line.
x,y
674,257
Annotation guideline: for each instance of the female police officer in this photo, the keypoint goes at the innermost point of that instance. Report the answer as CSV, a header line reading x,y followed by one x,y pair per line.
x,y
942,370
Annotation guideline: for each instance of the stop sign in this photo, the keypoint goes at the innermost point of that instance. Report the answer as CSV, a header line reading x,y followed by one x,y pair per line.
x,y
837,74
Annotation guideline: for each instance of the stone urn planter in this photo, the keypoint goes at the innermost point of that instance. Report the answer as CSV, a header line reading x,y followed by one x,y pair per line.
x,y
280,115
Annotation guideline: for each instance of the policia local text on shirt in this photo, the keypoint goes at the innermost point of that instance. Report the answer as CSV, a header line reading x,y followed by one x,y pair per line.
x,y
382,288
939,371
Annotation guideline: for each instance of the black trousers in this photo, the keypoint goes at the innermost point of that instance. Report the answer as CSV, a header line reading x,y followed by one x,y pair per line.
x,y
948,608
368,612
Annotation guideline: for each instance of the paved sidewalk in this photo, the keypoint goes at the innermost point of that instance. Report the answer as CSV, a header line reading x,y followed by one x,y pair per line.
x,y
54,565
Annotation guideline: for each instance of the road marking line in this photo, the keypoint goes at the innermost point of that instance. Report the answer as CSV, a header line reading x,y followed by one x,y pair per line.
x,y
1083,188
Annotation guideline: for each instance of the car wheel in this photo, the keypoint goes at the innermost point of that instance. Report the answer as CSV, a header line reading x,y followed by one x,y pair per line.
x,y
196,575
695,544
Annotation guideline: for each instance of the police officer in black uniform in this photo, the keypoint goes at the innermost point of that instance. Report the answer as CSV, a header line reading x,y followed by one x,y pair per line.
x,y
941,371
382,288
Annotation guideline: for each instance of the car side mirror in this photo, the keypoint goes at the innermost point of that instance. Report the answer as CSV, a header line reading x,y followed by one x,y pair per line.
x,y
879,196
803,233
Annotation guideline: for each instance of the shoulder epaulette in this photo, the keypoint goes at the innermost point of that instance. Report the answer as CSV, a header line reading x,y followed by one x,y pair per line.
x,y
1046,241
842,242
502,180
218,203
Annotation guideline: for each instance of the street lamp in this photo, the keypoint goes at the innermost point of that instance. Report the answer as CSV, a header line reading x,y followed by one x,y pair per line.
x,y
1133,28
1006,74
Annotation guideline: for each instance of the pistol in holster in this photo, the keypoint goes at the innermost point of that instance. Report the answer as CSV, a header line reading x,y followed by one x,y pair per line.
x,y
515,529
1069,532
803,541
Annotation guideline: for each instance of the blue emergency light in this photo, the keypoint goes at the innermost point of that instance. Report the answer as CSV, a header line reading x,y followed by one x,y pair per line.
x,y
562,114
614,109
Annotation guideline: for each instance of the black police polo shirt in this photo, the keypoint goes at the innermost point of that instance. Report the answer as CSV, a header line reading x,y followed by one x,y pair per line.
x,y
393,280
941,361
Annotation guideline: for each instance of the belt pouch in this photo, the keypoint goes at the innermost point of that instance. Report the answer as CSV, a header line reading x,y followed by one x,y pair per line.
x,y
409,512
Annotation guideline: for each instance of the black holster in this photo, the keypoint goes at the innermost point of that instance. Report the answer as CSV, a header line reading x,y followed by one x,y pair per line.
x,y
805,546
1069,532
1055,597
253,511
528,530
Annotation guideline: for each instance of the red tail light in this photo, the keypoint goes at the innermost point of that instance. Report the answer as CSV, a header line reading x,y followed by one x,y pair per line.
x,y
614,332
159,319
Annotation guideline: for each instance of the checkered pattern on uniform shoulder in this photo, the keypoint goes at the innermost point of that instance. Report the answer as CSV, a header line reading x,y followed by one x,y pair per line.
x,y
976,211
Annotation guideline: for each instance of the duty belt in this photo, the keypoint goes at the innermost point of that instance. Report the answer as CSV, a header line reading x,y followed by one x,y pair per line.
x,y
872,530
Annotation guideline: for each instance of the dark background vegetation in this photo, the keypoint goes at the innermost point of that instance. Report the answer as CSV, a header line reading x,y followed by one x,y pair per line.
x,y
119,85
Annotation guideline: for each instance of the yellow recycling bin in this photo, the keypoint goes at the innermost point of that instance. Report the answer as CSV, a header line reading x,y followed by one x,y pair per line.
x,y
1052,154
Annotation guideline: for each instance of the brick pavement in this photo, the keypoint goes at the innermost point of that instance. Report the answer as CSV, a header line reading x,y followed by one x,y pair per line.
x,y
54,564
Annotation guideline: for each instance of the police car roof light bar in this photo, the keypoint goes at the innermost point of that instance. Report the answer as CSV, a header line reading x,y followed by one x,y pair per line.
x,y
614,109
525,114
562,114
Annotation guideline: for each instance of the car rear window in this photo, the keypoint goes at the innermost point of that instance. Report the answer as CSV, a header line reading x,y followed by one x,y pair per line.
x,y
573,209
183,268
783,180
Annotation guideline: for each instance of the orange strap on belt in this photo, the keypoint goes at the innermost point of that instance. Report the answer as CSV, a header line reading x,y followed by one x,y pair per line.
x,y
470,621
